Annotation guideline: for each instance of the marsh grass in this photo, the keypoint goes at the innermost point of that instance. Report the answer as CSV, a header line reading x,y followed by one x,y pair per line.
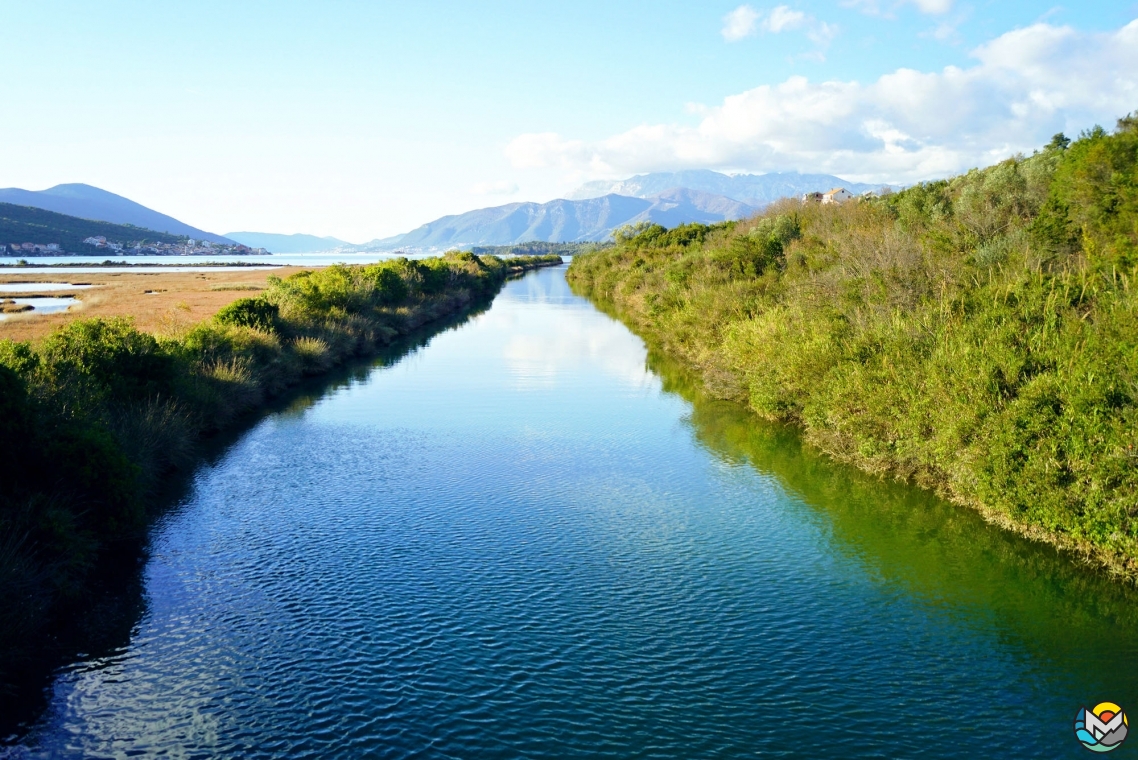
x,y
313,353
236,286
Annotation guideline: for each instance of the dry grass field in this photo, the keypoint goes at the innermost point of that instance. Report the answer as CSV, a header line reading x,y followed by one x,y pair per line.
x,y
159,302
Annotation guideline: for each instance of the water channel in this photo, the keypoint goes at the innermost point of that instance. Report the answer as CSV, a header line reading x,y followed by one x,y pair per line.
x,y
529,538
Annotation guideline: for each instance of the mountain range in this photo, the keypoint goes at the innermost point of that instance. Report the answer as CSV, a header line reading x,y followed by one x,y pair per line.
x,y
594,210
88,202
590,213
756,190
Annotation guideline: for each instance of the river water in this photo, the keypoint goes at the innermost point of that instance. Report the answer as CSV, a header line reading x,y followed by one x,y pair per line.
x,y
528,538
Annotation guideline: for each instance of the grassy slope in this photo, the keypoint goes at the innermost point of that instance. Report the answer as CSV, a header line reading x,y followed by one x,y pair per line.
x,y
978,335
24,224
94,417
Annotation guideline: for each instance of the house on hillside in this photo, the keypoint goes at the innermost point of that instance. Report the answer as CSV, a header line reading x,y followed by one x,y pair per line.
x,y
837,195
812,198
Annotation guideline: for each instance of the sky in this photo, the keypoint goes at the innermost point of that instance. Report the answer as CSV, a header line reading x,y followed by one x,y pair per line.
x,y
363,120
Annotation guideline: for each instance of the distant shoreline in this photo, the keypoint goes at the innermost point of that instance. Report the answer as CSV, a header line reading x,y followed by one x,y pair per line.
x,y
113,263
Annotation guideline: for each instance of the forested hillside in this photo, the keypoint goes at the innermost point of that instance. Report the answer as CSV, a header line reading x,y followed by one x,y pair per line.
x,y
977,335
24,224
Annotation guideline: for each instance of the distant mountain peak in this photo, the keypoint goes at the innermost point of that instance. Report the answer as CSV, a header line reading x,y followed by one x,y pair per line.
x,y
89,202
80,190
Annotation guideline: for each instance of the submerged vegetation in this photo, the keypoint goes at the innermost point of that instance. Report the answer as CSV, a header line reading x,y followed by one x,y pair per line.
x,y
977,335
94,417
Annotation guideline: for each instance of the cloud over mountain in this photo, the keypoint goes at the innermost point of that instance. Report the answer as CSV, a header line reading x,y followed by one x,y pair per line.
x,y
908,125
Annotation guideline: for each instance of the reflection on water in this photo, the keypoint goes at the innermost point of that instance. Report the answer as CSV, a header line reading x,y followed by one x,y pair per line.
x,y
520,542
936,552
40,305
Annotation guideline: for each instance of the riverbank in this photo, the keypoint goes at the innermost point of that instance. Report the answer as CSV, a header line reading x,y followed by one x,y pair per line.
x,y
977,336
96,415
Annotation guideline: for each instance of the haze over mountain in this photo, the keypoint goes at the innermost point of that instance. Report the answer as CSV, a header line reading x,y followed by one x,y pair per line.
x,y
756,190
565,221
298,243
87,202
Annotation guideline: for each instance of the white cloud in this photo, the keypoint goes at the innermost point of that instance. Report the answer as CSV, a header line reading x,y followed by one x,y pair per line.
x,y
907,125
783,18
739,23
933,6
502,187
873,7
821,33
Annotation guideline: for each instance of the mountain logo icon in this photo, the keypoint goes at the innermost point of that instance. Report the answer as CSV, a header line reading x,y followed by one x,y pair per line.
x,y
1102,728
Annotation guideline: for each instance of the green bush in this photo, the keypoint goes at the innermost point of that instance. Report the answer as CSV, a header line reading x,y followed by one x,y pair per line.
x,y
91,360
390,287
258,313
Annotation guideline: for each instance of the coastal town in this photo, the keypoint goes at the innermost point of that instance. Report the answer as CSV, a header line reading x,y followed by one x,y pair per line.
x,y
101,245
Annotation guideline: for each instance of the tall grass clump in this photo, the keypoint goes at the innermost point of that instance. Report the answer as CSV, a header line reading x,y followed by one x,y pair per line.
x,y
977,335
94,418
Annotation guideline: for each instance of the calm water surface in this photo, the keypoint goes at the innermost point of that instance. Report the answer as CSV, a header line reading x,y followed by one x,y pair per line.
x,y
38,287
41,305
523,541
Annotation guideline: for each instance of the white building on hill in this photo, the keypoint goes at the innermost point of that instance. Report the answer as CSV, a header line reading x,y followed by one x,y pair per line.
x,y
837,195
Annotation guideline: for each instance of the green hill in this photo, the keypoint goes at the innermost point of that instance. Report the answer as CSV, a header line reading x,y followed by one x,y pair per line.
x,y
24,224
977,335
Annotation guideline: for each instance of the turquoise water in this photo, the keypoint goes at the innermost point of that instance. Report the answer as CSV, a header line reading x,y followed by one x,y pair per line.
x,y
530,539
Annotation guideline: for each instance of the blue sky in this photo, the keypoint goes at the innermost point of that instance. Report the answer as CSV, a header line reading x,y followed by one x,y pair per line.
x,y
364,119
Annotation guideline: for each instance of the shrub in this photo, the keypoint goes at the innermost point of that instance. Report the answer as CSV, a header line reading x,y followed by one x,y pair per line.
x,y
257,313
93,360
390,288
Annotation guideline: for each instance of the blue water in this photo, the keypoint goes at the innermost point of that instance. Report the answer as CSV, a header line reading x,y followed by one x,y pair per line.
x,y
522,541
